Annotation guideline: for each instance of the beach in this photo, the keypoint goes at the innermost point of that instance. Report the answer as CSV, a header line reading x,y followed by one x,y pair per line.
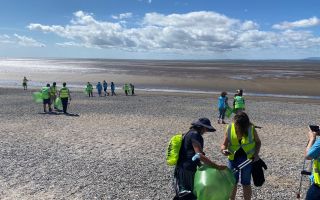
x,y
115,148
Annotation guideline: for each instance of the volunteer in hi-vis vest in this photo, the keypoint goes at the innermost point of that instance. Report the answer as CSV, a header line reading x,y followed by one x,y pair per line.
x,y
241,142
313,153
64,95
45,91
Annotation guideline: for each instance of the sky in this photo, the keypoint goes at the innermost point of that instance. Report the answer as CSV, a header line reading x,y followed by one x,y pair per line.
x,y
160,29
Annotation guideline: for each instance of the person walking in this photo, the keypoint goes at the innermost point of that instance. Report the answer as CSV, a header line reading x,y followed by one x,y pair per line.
x,y
132,89
222,106
65,96
45,91
99,88
113,87
126,88
89,89
105,88
53,94
25,83
313,153
241,142
238,101
186,168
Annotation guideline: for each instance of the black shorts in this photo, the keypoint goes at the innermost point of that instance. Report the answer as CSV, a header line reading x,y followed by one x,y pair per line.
x,y
24,84
46,101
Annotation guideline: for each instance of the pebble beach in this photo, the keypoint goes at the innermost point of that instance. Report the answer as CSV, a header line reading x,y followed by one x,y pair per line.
x,y
115,148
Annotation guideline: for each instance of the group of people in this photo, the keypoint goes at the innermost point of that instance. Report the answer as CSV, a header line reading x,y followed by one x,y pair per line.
x,y
128,89
241,142
237,106
50,95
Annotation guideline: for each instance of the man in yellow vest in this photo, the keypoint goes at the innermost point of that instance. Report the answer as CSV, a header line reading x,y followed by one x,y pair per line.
x,y
45,91
65,96
313,153
241,142
53,94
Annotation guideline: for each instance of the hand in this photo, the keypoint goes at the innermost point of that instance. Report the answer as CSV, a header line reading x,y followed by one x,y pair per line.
x,y
221,167
225,152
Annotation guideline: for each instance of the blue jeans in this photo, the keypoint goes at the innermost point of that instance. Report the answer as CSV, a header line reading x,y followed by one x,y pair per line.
x,y
245,172
313,193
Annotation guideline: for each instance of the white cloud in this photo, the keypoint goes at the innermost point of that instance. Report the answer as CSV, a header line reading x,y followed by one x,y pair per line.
x,y
122,16
190,32
27,41
20,40
313,21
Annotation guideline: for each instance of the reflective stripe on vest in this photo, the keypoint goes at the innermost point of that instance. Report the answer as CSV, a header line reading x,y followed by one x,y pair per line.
x,y
316,170
248,143
239,102
64,92
45,93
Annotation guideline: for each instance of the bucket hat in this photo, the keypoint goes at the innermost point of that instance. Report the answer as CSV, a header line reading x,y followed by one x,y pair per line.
x,y
204,122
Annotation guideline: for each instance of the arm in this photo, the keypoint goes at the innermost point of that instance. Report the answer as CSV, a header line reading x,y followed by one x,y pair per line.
x,y
313,147
258,146
197,148
224,145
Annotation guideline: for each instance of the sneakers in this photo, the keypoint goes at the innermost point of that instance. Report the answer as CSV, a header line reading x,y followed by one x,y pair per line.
x,y
184,193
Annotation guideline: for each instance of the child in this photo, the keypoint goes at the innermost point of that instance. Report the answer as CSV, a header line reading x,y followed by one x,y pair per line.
x,y
222,106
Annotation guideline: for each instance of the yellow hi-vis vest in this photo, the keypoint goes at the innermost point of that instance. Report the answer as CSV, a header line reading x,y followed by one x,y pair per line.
x,y
239,102
53,90
316,171
64,92
45,93
248,143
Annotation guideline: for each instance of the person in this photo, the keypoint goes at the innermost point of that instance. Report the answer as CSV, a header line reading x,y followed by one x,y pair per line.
x,y
313,153
186,168
132,89
25,83
241,142
89,89
113,87
53,94
126,88
65,96
45,91
99,88
105,87
238,101
222,105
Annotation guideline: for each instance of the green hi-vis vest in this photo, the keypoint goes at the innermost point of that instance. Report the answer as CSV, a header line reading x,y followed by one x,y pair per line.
x,y
64,92
239,102
53,90
248,143
45,93
316,171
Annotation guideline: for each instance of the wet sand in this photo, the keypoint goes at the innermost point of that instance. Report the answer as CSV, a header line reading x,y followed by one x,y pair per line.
x,y
115,149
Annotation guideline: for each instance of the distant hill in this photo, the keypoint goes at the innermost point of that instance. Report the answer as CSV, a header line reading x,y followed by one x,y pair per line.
x,y
312,58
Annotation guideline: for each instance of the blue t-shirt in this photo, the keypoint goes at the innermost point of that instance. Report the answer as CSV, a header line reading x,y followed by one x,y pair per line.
x,y
314,152
222,102
105,85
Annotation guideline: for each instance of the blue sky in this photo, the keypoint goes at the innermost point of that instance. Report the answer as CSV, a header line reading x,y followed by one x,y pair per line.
x,y
160,29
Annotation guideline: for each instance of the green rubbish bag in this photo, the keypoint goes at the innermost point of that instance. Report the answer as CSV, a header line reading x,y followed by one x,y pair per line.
x,y
229,111
37,97
58,103
213,184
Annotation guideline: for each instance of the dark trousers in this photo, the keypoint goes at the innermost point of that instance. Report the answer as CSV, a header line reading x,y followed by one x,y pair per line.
x,y
64,102
183,181
313,193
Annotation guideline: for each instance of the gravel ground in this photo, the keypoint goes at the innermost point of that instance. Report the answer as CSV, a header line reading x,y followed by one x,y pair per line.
x,y
116,148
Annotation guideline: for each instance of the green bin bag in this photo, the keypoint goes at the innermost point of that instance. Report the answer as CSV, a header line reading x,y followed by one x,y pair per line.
x,y
58,103
37,97
229,111
213,184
